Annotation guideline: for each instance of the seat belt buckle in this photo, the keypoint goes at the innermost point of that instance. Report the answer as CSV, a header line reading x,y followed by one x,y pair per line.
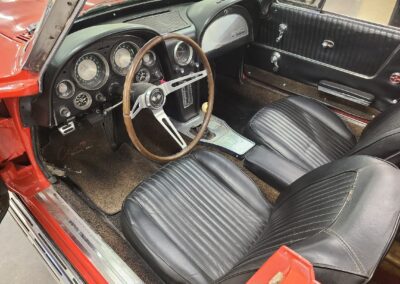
x,y
285,267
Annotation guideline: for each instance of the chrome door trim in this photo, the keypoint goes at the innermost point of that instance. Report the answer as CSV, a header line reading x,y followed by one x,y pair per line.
x,y
107,262
60,267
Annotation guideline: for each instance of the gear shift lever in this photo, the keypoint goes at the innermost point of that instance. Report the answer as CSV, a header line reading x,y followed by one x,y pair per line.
x,y
207,134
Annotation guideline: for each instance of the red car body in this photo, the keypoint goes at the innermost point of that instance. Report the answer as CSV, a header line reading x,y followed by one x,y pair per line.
x,y
26,179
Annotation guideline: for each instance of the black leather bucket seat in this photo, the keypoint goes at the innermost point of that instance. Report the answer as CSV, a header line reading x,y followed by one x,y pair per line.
x,y
201,220
309,134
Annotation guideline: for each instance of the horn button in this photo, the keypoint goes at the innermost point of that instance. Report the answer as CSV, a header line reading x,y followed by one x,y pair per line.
x,y
156,98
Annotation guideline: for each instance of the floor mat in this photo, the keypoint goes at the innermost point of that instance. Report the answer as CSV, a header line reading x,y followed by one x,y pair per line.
x,y
104,175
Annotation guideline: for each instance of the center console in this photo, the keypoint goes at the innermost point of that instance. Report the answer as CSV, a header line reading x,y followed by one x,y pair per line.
x,y
219,134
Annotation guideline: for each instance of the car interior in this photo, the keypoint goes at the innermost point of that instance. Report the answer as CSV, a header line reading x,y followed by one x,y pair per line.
x,y
196,138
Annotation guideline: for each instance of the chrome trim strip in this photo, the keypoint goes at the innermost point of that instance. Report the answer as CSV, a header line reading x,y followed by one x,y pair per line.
x,y
344,96
260,45
55,260
352,120
109,264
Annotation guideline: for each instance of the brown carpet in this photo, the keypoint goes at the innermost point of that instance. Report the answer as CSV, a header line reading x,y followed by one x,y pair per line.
x,y
105,176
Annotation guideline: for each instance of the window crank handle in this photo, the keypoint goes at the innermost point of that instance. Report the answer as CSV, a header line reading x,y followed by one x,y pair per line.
x,y
274,60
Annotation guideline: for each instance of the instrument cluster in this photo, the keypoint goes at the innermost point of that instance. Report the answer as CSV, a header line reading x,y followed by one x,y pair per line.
x,y
96,75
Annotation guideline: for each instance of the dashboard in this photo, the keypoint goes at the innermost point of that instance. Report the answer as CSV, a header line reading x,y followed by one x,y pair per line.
x,y
88,71
95,75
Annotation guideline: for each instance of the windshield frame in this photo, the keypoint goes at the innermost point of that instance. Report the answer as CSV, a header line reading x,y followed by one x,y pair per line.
x,y
57,19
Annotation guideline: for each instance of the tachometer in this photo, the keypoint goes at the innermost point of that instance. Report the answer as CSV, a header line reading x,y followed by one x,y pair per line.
x,y
91,71
183,53
122,57
149,59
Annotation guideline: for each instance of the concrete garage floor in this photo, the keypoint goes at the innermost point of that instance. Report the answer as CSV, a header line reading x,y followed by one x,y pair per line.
x,y
19,261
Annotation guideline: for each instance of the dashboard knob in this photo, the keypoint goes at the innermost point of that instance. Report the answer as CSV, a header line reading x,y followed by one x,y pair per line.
x,y
158,74
195,64
65,112
100,98
179,69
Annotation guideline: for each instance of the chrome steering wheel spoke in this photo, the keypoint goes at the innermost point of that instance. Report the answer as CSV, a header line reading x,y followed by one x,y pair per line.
x,y
164,120
139,104
154,99
176,84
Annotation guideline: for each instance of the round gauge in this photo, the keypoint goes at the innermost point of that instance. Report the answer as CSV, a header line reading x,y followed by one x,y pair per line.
x,y
183,53
149,59
122,57
83,101
143,75
91,71
65,89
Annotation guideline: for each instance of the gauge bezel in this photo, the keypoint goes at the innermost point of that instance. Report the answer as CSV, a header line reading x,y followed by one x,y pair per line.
x,y
73,89
114,66
148,75
87,106
154,61
106,75
190,58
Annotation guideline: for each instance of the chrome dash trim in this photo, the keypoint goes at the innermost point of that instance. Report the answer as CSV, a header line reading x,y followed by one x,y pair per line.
x,y
61,269
108,263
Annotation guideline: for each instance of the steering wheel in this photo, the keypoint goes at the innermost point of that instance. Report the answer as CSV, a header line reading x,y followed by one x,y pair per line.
x,y
153,97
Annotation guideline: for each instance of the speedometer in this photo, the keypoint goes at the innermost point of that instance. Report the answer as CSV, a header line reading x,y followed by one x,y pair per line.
x,y
122,57
91,71
183,53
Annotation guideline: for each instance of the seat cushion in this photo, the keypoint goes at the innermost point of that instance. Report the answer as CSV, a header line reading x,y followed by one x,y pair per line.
x,y
195,218
303,131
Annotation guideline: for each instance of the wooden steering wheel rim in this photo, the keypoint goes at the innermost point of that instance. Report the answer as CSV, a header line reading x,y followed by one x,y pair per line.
x,y
126,100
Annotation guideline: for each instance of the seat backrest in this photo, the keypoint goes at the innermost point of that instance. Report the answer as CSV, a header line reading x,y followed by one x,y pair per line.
x,y
342,217
381,137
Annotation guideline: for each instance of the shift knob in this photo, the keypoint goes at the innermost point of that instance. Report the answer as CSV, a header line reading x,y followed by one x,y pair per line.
x,y
204,107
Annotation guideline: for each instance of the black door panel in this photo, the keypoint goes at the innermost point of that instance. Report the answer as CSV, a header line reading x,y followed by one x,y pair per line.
x,y
358,46
363,57
312,72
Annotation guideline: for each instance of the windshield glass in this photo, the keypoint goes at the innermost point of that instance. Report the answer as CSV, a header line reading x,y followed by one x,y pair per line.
x,y
97,5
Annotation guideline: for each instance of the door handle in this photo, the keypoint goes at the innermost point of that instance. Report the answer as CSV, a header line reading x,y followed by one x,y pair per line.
x,y
282,30
274,60
328,43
